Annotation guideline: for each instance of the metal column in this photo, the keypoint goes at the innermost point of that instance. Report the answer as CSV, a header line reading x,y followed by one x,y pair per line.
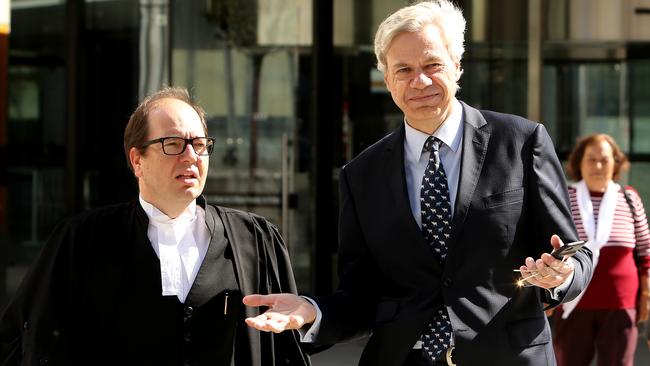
x,y
322,134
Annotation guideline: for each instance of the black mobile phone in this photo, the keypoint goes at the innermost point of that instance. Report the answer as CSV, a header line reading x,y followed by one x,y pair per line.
x,y
568,249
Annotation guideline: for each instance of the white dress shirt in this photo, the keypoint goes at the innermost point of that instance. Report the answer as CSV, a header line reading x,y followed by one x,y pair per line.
x,y
180,243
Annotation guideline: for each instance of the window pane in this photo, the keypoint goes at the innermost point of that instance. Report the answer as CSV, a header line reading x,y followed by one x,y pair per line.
x,y
639,178
582,98
639,106
601,104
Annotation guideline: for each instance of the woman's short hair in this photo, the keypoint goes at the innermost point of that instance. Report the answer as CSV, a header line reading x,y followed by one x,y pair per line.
x,y
414,18
621,163
135,133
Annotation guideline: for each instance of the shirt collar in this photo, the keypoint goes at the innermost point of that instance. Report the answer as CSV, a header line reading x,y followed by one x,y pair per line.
x,y
449,132
157,216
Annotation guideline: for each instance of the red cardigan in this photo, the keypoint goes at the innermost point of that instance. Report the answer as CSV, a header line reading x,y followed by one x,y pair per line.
x,y
615,282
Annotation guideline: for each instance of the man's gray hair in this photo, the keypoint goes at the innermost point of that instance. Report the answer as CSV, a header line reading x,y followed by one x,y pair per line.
x,y
414,18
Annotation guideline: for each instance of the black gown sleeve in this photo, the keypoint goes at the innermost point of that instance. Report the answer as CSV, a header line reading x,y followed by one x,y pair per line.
x,y
263,267
33,327
279,278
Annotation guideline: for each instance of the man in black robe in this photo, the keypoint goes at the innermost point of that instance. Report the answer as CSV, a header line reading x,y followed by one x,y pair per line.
x,y
159,280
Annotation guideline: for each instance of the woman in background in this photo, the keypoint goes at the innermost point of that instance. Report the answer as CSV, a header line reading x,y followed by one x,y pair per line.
x,y
612,219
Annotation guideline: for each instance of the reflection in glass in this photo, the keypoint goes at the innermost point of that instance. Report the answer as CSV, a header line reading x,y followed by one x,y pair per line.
x,y
586,97
640,106
639,178
601,101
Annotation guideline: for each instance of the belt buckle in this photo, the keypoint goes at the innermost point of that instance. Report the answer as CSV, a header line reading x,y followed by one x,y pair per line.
x,y
449,355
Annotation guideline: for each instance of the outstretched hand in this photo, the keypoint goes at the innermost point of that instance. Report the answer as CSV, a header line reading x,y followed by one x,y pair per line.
x,y
547,272
286,311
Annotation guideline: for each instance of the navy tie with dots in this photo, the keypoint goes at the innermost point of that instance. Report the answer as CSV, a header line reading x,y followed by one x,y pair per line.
x,y
436,227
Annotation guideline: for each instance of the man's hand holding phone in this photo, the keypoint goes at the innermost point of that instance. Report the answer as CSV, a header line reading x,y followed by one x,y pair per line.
x,y
551,270
568,250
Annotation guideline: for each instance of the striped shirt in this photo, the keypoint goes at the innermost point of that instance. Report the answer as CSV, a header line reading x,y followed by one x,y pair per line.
x,y
615,281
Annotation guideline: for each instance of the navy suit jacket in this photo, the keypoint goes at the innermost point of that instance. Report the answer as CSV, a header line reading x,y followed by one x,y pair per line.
x,y
511,199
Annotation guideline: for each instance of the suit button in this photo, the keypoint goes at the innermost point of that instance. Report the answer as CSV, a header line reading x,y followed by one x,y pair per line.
x,y
42,361
446,282
187,337
26,325
189,310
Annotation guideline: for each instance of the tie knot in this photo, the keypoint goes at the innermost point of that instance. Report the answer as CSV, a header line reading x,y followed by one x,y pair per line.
x,y
432,144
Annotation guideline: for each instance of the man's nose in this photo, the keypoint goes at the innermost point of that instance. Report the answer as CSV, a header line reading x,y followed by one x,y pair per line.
x,y
421,80
189,154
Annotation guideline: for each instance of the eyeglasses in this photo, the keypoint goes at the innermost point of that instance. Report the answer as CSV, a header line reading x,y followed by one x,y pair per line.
x,y
176,145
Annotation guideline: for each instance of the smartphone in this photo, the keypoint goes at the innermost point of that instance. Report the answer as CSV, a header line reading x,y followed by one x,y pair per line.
x,y
568,249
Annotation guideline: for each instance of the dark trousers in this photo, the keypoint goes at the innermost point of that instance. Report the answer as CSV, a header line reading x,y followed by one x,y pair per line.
x,y
612,334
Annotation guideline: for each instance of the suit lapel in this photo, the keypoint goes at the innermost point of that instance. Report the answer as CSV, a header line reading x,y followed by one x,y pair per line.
x,y
475,143
244,245
205,284
395,171
397,182
144,260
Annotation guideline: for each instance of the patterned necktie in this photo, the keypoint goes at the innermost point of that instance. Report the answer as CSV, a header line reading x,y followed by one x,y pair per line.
x,y
436,227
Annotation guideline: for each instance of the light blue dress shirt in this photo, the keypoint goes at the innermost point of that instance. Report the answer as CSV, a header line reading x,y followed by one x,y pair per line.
x,y
415,161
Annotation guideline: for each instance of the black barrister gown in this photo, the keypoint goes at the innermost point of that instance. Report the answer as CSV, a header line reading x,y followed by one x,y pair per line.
x,y
93,297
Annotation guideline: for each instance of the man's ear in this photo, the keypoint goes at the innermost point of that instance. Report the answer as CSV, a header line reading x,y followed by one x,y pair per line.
x,y
458,72
136,159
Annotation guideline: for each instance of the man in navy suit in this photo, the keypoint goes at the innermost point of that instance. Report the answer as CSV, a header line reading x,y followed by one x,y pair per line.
x,y
509,208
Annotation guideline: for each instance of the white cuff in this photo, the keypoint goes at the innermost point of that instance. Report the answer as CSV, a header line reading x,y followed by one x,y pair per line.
x,y
309,335
562,288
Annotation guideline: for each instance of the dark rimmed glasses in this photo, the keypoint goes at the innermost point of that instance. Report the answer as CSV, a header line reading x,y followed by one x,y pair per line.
x,y
177,145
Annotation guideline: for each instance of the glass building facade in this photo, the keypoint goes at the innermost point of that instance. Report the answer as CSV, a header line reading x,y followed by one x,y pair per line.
x,y
291,94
